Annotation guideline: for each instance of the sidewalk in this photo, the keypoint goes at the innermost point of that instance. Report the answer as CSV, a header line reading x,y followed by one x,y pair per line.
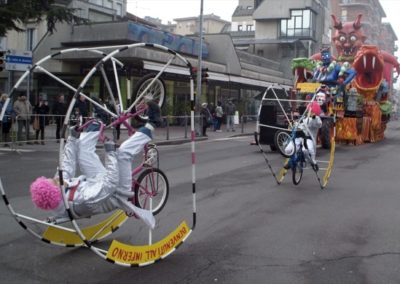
x,y
171,135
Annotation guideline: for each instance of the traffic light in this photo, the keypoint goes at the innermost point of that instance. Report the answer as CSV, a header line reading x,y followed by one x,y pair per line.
x,y
193,72
2,60
204,75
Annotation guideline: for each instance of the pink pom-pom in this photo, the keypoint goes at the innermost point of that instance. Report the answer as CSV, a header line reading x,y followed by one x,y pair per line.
x,y
315,108
45,195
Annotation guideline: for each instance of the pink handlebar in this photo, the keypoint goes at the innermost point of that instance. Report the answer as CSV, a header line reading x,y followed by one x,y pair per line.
x,y
122,119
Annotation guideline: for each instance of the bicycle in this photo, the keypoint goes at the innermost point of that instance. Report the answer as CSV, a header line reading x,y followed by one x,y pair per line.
x,y
297,160
149,183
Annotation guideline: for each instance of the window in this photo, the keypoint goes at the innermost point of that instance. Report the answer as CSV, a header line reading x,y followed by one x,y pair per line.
x,y
103,3
97,2
240,28
249,27
300,25
119,9
108,4
30,39
344,15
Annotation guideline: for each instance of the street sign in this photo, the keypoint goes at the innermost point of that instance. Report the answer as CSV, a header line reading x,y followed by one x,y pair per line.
x,y
18,60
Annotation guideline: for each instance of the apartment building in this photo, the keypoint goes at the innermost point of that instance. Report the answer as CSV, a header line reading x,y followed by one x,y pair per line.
x,y
281,30
191,25
378,33
34,34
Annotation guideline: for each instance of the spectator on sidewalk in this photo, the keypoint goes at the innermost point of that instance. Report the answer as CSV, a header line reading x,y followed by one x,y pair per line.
x,y
206,118
219,113
59,111
6,123
230,110
211,108
23,110
41,111
83,107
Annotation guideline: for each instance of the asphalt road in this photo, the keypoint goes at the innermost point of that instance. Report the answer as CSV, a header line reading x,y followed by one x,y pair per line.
x,y
249,229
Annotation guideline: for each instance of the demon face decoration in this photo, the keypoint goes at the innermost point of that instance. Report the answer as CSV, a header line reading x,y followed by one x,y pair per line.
x,y
348,38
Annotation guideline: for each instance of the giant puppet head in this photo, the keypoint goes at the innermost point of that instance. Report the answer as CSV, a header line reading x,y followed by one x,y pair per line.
x,y
348,38
369,64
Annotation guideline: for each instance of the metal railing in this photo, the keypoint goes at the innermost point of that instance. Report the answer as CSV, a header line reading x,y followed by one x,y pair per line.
x,y
173,127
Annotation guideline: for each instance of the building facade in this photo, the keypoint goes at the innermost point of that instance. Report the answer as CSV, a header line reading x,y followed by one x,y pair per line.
x,y
281,30
36,33
191,25
232,74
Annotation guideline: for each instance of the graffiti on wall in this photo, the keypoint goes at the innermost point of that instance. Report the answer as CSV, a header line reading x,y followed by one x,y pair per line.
x,y
179,43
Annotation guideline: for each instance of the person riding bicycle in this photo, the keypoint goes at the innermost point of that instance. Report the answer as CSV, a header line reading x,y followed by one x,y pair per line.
x,y
99,189
309,127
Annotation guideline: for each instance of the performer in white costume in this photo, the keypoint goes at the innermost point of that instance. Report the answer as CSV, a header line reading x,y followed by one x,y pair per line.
x,y
100,188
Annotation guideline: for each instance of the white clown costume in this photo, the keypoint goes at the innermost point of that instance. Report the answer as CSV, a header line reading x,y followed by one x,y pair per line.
x,y
101,189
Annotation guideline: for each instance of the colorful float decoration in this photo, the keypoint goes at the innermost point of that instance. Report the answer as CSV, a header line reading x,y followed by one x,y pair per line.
x,y
356,83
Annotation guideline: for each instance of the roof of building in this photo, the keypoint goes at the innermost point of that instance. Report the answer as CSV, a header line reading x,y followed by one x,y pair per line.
x,y
205,17
241,12
241,41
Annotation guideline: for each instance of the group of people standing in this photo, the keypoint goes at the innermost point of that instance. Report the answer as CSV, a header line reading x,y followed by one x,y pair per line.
x,y
212,116
24,114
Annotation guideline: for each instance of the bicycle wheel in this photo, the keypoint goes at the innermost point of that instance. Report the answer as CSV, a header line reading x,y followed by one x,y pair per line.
x,y
156,89
297,172
281,140
151,183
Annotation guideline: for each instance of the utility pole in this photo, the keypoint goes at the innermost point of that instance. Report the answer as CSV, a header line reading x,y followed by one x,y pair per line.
x,y
200,56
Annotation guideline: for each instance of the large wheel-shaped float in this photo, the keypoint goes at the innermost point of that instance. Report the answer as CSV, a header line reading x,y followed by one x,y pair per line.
x,y
282,137
77,232
121,251
36,222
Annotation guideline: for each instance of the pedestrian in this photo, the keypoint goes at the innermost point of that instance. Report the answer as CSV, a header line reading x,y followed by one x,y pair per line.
x,y
23,110
219,113
100,189
41,111
83,107
6,122
230,110
206,118
211,108
59,110
99,112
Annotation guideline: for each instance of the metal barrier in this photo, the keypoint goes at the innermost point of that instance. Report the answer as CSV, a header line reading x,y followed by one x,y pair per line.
x,y
174,127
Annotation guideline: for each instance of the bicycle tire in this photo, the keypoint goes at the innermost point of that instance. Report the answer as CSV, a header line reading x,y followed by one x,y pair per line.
x,y
157,90
281,140
142,193
297,173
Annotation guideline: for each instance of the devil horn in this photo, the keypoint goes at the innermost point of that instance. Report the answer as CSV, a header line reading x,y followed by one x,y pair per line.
x,y
357,22
337,25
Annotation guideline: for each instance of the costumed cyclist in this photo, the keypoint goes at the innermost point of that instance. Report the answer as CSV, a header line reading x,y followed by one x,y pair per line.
x,y
308,135
101,188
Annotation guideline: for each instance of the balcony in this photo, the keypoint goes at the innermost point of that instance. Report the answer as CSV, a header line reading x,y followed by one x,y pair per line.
x,y
243,33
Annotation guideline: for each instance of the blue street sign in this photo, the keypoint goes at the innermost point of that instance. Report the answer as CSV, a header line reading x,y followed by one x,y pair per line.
x,y
16,59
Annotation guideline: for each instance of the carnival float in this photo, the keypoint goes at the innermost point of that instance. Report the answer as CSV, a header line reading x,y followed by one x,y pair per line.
x,y
355,86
